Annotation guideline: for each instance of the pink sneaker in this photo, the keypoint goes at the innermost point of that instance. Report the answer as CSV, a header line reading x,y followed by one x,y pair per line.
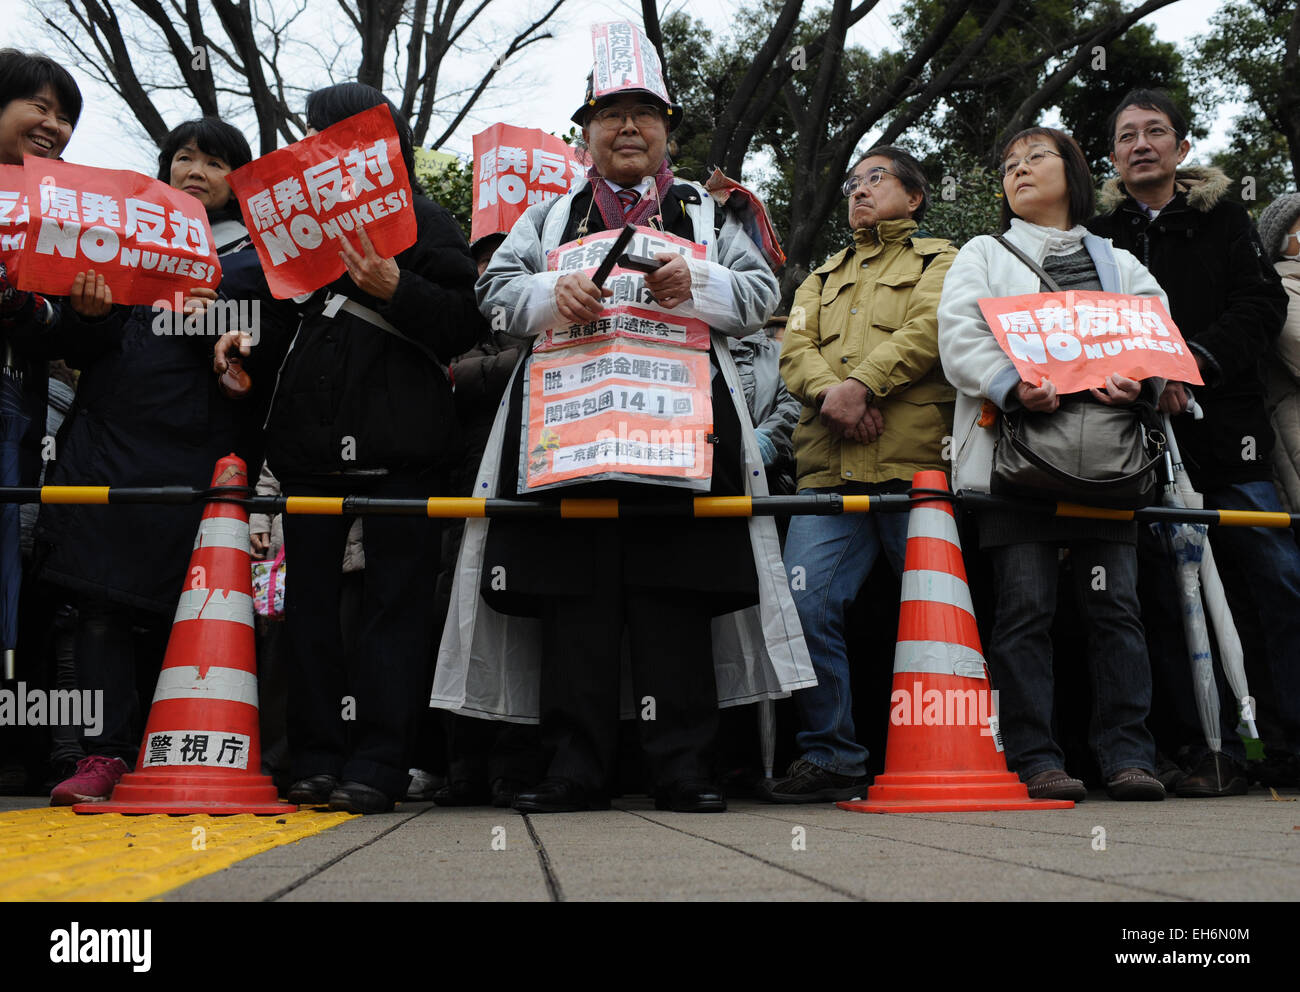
x,y
93,782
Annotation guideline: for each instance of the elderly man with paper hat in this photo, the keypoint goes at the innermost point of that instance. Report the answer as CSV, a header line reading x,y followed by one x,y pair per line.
x,y
540,609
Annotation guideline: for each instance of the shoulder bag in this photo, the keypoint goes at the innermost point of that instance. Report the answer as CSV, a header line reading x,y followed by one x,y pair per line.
x,y
1084,451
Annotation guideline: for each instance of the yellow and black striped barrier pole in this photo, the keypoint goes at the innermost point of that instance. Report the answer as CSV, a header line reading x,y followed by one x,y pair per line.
x,y
455,507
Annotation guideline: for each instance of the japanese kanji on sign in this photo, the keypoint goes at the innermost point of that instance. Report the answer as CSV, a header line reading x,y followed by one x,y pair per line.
x,y
627,396
515,167
13,219
625,60
301,200
204,748
149,241
1079,338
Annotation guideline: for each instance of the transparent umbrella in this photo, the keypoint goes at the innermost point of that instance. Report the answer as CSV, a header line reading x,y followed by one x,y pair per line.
x,y
1201,593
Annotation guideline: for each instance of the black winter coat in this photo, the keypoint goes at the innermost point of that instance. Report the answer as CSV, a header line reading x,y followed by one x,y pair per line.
x,y
351,396
1227,301
148,412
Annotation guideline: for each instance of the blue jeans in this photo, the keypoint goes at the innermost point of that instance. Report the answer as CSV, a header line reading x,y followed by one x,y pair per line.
x,y
827,560
1020,654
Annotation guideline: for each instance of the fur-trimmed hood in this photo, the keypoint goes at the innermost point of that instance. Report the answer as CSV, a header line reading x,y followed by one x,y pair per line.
x,y
1204,185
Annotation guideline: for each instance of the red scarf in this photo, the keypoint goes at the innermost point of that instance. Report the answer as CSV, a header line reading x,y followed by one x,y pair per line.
x,y
611,208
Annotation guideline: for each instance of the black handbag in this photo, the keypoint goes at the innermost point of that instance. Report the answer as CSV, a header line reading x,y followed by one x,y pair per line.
x,y
1083,452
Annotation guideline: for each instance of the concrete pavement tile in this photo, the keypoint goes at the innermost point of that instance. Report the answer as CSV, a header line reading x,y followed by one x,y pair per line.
x,y
1265,884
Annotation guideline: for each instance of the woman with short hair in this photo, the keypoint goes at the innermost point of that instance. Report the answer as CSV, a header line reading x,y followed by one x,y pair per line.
x,y
1048,194
148,413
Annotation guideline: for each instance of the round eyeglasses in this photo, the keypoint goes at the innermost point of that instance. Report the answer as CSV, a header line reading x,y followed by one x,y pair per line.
x,y
873,179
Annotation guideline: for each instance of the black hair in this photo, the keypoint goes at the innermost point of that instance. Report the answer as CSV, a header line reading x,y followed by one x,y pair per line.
x,y
1149,100
23,75
909,173
328,106
1078,178
212,136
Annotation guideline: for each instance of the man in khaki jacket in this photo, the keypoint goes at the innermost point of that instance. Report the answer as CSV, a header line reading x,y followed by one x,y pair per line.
x,y
861,353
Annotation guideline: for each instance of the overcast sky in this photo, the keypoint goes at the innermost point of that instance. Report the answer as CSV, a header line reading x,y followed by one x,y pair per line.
x,y
548,77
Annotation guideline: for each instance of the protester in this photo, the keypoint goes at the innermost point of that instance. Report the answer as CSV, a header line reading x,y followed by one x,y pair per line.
x,y
363,410
488,761
1048,194
549,640
148,413
39,107
772,410
862,354
1279,230
1229,305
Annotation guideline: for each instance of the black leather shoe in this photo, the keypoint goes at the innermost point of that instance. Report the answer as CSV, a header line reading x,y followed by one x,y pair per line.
x,y
691,797
504,791
462,792
558,795
356,797
314,791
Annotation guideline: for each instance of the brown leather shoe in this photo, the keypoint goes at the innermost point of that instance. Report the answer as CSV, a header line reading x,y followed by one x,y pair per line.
x,y
1055,784
1134,785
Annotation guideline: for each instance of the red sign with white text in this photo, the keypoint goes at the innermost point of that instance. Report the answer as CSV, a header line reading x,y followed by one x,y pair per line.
x,y
515,167
150,242
1079,338
300,201
13,219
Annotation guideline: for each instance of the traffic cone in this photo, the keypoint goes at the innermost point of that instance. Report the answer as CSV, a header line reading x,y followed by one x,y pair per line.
x,y
202,751
944,753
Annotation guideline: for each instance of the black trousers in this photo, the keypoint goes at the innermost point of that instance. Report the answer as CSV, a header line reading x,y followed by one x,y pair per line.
x,y
354,714
673,685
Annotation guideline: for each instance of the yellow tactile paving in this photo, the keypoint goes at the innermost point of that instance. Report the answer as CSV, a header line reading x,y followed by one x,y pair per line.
x,y
54,855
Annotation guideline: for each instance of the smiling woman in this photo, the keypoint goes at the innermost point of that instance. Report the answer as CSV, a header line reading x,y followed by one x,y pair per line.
x,y
39,107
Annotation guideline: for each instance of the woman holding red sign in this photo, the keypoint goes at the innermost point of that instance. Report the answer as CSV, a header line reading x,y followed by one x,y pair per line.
x,y
148,413
1048,194
39,107
361,407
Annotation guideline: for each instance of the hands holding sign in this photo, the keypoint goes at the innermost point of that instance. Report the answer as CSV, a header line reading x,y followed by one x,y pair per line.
x,y
371,272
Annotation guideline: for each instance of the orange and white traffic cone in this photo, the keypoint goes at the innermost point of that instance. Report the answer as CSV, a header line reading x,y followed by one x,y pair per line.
x,y
202,751
944,753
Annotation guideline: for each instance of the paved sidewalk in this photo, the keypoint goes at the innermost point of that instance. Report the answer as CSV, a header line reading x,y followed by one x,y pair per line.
x,y
1245,848
1241,848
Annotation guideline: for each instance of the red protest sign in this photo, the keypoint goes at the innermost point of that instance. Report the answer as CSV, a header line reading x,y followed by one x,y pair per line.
x,y
149,241
13,219
300,201
515,167
1078,338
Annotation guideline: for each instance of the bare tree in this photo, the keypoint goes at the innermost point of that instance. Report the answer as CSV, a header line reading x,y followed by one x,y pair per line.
x,y
932,66
250,53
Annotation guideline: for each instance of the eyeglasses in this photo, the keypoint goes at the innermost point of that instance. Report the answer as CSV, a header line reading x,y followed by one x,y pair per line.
x,y
1154,133
873,179
1034,159
642,114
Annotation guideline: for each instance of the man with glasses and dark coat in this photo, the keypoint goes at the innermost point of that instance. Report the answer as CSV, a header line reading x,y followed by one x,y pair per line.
x,y
1229,305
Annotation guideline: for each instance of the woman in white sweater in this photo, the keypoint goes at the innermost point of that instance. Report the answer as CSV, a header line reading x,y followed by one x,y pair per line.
x,y
1048,194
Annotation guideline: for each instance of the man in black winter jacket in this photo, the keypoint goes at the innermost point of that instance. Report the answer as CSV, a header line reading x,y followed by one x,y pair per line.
x,y
1229,304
